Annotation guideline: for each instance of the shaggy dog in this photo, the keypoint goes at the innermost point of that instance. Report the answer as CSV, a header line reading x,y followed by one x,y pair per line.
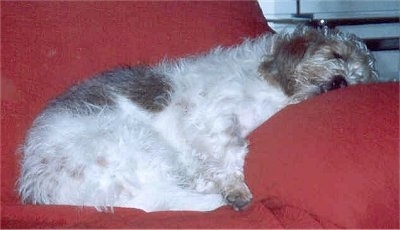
x,y
173,136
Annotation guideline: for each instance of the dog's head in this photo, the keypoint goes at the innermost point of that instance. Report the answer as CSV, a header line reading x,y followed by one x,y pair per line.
x,y
307,62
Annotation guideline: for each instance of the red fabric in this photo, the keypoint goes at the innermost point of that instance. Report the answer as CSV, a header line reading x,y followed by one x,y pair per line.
x,y
329,162
335,156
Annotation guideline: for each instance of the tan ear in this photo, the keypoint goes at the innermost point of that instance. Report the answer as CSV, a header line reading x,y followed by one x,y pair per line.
x,y
293,49
279,67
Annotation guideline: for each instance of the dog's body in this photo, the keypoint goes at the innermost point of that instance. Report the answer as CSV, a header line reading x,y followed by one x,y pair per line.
x,y
172,136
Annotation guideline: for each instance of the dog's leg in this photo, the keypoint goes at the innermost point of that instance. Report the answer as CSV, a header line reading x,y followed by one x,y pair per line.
x,y
223,166
232,184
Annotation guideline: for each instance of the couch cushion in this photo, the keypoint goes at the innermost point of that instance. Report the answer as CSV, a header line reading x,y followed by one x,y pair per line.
x,y
336,156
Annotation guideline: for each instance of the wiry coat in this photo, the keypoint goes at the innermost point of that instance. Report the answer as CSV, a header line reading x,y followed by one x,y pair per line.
x,y
173,136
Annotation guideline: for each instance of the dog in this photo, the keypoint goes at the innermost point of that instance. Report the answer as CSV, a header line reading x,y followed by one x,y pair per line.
x,y
173,136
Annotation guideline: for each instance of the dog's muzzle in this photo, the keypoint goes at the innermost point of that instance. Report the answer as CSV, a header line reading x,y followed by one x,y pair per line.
x,y
337,82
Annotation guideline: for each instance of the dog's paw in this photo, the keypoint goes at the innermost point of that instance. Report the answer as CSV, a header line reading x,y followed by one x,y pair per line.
x,y
239,199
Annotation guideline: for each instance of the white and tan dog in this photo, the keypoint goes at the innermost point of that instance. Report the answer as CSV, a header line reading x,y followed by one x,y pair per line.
x,y
173,136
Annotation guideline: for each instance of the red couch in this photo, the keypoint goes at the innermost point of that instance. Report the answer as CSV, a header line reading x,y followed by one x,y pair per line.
x,y
329,162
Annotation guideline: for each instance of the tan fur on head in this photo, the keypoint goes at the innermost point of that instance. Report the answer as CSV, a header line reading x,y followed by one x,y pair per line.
x,y
308,62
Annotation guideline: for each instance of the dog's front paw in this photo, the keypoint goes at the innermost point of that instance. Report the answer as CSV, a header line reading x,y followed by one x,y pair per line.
x,y
239,198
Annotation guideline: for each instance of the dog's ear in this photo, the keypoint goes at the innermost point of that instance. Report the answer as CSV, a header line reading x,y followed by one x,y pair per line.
x,y
293,49
288,51
279,67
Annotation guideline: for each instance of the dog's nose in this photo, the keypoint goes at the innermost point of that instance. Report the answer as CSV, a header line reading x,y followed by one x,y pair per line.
x,y
337,82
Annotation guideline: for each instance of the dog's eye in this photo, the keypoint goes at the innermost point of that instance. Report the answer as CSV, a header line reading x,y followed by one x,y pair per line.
x,y
337,56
